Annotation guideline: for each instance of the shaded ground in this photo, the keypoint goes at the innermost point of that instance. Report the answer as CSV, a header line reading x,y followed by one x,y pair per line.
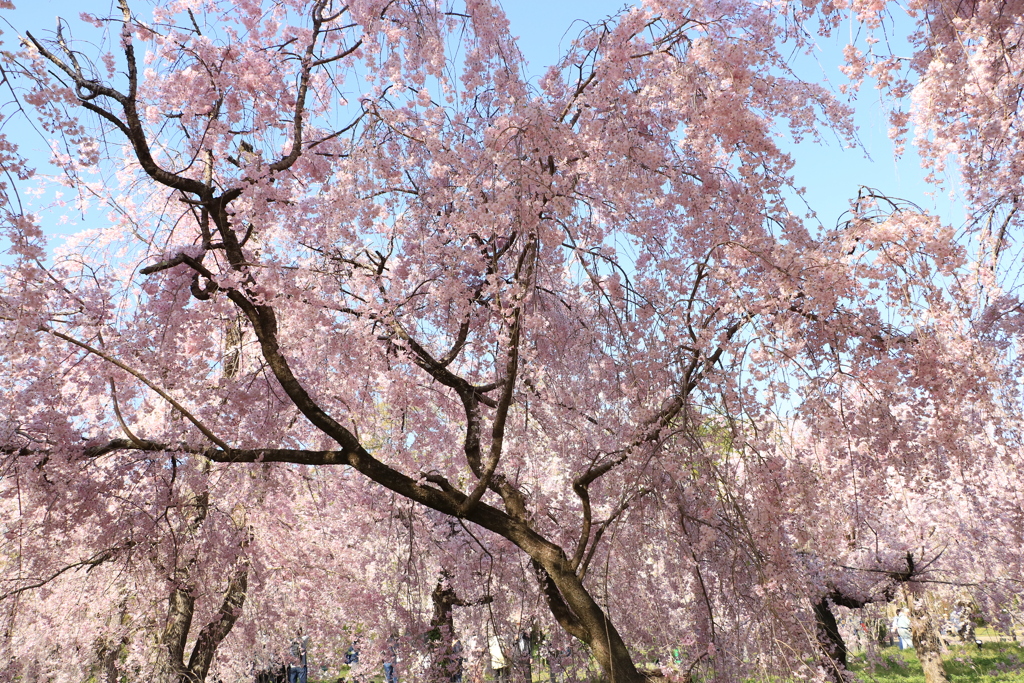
x,y
994,663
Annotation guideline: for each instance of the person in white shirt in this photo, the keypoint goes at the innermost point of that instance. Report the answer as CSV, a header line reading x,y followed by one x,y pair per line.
x,y
901,624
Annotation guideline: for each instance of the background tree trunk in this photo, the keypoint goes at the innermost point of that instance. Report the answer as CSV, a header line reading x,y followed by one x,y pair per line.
x,y
445,655
830,641
925,631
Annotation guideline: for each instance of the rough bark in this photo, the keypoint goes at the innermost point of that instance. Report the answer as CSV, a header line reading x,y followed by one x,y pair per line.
x,y
109,658
445,654
180,608
830,641
211,636
925,630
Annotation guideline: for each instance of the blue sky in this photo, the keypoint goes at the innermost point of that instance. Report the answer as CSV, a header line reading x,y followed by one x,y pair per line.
x,y
831,174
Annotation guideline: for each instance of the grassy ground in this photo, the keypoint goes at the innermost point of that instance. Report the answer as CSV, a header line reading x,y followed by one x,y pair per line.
x,y
994,663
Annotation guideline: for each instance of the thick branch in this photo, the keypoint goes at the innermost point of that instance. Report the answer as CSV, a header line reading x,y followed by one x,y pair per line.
x,y
193,263
831,642
180,609
460,342
86,88
137,134
120,419
563,615
582,488
601,531
512,501
470,396
213,633
308,62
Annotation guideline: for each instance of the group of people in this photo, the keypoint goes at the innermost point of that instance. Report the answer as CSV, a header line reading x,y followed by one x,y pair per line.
x,y
295,666
295,669
958,626
390,653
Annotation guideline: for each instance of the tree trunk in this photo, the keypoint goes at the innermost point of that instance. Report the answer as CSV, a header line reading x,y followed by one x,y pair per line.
x,y
181,608
109,671
110,652
831,642
210,638
580,615
445,651
926,640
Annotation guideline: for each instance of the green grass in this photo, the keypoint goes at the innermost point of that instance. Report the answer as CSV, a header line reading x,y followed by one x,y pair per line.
x,y
994,663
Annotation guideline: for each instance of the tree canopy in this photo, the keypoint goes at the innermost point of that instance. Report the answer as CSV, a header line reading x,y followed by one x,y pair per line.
x,y
366,326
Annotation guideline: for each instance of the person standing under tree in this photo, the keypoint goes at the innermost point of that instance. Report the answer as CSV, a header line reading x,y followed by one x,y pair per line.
x,y
502,671
902,626
298,666
390,657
